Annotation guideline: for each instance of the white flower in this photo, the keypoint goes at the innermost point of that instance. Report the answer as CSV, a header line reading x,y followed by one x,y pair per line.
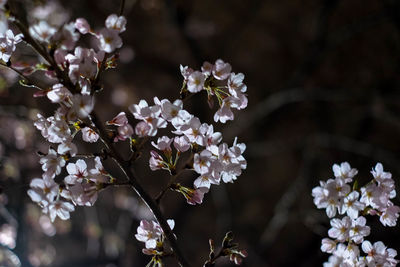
x,y
328,245
202,162
67,147
83,194
43,190
206,179
359,230
116,23
7,44
351,205
185,71
59,93
82,25
149,232
42,31
156,162
61,209
344,171
52,164
163,144
109,40
82,106
181,143
195,82
221,70
89,135
124,132
340,228
192,131
98,174
207,68
77,172
236,85
390,215
118,120
379,174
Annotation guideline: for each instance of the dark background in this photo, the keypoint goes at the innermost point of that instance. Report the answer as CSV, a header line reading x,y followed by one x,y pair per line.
x,y
323,84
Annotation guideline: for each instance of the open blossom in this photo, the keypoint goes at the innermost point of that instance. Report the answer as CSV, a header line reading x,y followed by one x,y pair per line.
x,y
118,120
77,172
181,143
42,31
351,205
340,229
7,44
43,190
163,144
221,70
82,25
116,23
89,135
83,194
109,40
59,93
149,232
359,230
61,209
52,164
195,82
98,174
344,171
82,106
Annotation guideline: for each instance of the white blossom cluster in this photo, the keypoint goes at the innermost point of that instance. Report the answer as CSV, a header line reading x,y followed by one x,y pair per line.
x,y
348,233
71,179
218,81
81,185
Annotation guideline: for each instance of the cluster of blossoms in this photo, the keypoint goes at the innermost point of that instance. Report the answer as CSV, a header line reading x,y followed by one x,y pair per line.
x,y
71,179
218,81
80,187
347,233
212,160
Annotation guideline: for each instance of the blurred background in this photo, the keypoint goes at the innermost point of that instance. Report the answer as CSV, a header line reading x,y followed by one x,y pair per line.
x,y
323,88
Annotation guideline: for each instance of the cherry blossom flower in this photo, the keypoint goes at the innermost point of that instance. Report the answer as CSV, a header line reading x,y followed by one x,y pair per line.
x,y
340,229
61,209
42,31
359,230
149,232
43,190
59,93
77,172
82,25
109,40
221,70
52,164
7,44
351,205
195,82
116,23
89,135
344,171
